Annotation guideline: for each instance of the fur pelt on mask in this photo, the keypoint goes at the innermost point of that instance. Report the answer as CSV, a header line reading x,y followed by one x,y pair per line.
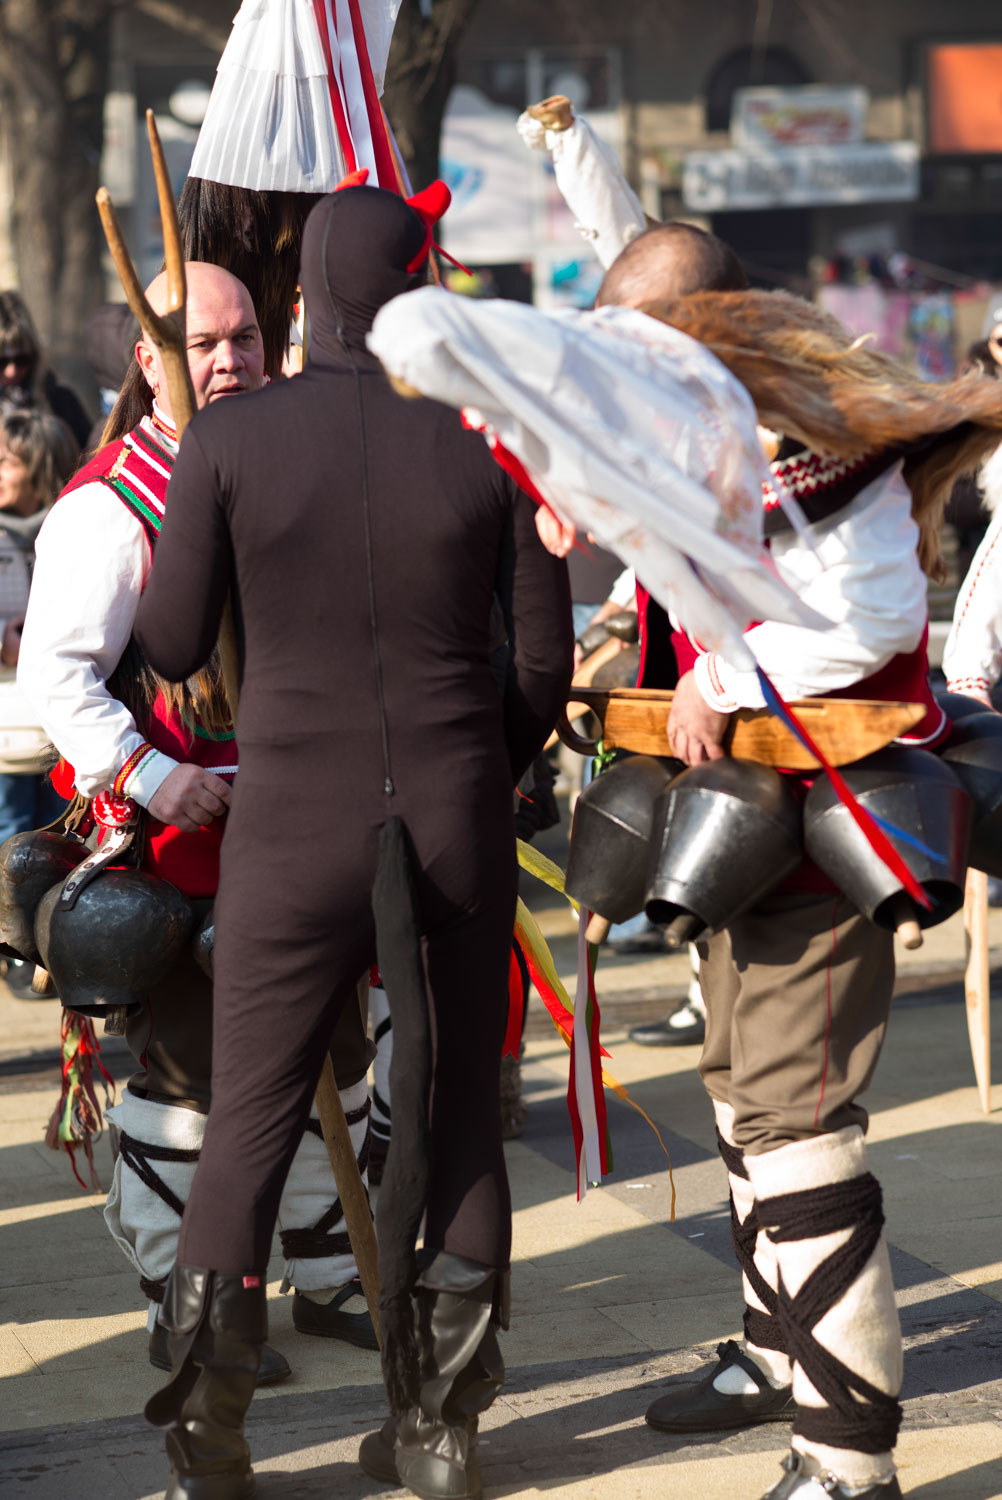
x,y
811,381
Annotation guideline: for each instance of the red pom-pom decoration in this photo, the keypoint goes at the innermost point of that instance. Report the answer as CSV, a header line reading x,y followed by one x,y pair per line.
x,y
112,811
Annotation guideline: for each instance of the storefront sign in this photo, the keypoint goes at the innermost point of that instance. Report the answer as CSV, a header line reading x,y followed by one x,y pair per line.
x,y
809,116
876,172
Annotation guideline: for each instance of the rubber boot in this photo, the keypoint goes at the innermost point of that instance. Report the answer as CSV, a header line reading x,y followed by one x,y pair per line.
x,y
217,1326
459,1305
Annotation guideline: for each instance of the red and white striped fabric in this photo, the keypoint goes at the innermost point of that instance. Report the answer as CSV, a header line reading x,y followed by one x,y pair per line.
x,y
295,105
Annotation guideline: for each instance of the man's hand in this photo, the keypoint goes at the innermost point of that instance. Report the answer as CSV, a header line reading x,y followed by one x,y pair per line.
x,y
11,644
555,536
695,730
189,798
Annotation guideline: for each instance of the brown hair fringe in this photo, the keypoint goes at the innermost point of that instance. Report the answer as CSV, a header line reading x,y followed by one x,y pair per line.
x,y
256,236
810,380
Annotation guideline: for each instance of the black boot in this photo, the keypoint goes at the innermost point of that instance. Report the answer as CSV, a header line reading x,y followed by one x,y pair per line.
x,y
217,1326
459,1305
274,1367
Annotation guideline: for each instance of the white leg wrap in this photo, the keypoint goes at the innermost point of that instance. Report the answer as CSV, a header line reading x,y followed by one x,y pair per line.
x,y
153,1175
823,1212
774,1362
382,1031
318,1254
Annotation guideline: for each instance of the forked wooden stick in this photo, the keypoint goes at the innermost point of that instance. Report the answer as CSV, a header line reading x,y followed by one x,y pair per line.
x,y
976,982
164,330
167,333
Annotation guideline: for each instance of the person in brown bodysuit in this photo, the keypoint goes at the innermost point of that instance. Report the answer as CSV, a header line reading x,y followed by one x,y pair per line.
x,y
363,576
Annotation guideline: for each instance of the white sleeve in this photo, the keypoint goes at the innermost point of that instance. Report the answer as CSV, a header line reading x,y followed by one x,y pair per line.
x,y
91,562
862,574
624,590
972,658
591,181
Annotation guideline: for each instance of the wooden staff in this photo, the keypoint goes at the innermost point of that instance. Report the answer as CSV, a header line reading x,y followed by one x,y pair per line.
x,y
976,981
167,333
350,1188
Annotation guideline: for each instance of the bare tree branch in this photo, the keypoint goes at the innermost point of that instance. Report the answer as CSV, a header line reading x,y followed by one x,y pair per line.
x,y
419,78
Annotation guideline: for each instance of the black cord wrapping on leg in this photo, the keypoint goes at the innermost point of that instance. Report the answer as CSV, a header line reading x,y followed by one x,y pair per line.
x,y
137,1155
316,1243
856,1414
763,1329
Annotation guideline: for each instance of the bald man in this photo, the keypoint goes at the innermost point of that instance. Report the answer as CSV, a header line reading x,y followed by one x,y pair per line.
x,y
120,728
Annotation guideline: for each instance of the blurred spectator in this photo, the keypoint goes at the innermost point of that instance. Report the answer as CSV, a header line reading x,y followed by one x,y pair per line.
x,y
25,378
38,454
976,495
111,336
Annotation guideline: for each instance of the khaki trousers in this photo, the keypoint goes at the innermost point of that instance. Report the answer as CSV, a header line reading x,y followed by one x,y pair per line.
x,y
797,994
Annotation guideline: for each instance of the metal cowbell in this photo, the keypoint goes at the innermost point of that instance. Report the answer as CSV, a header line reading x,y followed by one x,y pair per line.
x,y
123,935
908,789
30,864
726,834
610,832
203,944
974,754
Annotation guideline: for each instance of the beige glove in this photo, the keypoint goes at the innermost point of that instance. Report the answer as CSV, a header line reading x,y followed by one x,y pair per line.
x,y
554,113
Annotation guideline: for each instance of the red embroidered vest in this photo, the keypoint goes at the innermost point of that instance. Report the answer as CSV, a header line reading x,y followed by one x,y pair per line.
x,y
138,468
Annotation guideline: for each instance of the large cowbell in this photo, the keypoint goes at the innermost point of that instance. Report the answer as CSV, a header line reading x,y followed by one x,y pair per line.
x,y
914,791
726,834
123,935
610,832
30,865
203,944
958,706
974,754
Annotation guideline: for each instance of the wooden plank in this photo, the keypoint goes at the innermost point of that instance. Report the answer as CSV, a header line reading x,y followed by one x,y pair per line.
x,y
845,729
976,982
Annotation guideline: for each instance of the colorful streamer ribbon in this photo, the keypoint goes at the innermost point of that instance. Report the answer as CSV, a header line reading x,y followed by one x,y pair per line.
x,y
578,1026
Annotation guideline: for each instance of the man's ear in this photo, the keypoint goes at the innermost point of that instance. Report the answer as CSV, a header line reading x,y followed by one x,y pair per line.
x,y
147,363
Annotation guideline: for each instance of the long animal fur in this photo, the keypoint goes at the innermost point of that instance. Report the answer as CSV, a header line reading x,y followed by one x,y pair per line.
x,y
811,381
256,236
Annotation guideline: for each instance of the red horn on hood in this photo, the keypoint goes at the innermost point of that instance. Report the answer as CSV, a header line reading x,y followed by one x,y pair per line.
x,y
358,178
430,204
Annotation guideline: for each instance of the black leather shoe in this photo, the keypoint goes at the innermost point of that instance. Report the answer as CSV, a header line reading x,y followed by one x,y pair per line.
x,y
798,1485
273,1370
685,1027
376,1454
327,1321
702,1408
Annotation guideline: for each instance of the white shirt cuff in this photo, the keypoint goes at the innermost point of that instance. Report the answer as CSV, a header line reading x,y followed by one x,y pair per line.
x,y
711,674
142,778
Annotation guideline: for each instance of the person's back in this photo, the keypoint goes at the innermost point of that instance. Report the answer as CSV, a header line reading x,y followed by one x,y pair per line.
x,y
364,539
436,521
289,470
